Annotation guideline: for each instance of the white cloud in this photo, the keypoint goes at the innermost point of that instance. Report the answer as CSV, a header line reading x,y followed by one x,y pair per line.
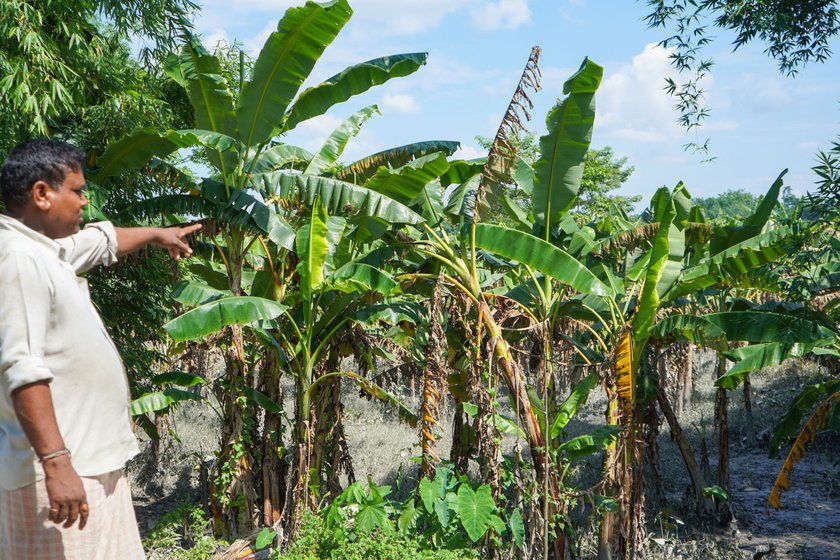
x,y
501,14
312,133
468,152
808,146
403,17
632,104
401,103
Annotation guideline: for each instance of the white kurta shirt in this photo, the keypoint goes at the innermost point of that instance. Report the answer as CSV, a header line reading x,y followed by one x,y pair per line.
x,y
50,330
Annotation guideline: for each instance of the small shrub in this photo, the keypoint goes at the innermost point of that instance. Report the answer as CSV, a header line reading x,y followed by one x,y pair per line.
x,y
182,534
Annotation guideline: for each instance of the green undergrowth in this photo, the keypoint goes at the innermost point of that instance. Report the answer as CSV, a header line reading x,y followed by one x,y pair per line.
x,y
183,534
316,542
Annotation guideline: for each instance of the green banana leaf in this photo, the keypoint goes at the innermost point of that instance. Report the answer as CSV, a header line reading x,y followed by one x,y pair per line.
x,y
334,145
283,65
757,356
358,277
405,183
135,150
731,263
573,402
180,378
243,208
588,444
280,156
154,402
195,293
429,203
558,172
351,81
749,326
380,394
539,255
312,249
727,236
360,171
211,99
214,316
340,197
457,205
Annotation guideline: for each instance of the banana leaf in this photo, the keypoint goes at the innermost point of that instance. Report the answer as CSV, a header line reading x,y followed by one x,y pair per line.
x,y
405,183
279,156
214,316
351,81
360,171
539,255
284,63
558,172
334,145
312,249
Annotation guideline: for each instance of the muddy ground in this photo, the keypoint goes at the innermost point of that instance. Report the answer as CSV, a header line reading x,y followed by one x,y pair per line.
x,y
807,528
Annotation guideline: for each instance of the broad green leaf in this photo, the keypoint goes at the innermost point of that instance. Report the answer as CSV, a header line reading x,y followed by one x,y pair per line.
x,y
360,171
727,236
430,491
137,149
570,406
715,491
283,65
153,402
539,255
456,204
665,262
214,316
265,538
590,443
442,512
180,378
408,517
243,208
757,356
211,99
357,277
371,516
558,172
312,248
390,313
335,143
475,510
405,183
341,197
262,400
281,156
195,293
351,81
429,203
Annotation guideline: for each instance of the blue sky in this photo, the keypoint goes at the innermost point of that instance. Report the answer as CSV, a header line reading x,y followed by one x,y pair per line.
x,y
761,123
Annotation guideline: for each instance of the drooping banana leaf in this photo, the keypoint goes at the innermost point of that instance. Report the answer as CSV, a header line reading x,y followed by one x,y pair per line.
x,y
405,183
154,402
539,255
341,197
280,156
757,356
457,204
135,150
214,316
573,402
335,143
196,293
283,65
351,81
558,172
357,277
360,171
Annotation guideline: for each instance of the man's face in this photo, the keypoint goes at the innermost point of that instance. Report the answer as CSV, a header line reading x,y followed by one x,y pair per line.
x,y
64,216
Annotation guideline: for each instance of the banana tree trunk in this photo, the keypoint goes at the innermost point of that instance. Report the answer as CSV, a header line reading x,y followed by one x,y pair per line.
x,y
611,542
749,425
274,468
721,418
695,474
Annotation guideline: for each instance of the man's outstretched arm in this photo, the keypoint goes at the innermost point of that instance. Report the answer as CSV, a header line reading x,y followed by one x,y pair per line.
x,y
173,239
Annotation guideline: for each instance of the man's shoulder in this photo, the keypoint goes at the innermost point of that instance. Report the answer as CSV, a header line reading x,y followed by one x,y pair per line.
x,y
14,244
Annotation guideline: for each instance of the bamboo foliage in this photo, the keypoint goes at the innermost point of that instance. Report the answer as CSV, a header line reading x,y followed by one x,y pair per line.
x,y
815,423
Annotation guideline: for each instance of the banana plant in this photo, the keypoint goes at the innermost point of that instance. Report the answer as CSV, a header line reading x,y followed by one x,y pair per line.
x,y
237,127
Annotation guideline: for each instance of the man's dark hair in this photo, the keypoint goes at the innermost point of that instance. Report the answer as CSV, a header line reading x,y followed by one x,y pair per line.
x,y
33,161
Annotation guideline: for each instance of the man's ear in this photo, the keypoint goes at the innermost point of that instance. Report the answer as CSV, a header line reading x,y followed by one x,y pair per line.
x,y
41,195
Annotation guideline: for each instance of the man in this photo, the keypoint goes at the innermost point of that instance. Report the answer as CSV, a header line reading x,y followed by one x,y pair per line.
x,y
65,429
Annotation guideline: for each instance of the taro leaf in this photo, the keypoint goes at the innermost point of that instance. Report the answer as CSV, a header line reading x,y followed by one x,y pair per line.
x,y
715,491
214,316
442,512
517,528
475,510
430,491
265,538
153,402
